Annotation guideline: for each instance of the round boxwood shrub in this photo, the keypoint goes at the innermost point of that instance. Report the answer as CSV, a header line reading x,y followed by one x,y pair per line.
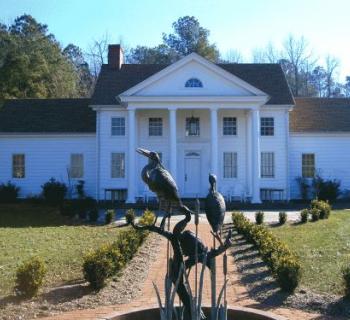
x,y
323,206
97,267
259,217
30,277
109,217
288,273
54,192
282,216
315,214
304,215
130,216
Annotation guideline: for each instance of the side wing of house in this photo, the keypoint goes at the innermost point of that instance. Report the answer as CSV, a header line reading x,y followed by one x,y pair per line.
x,y
320,142
44,139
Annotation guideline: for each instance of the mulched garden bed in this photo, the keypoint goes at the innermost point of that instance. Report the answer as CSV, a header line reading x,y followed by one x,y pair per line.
x,y
121,289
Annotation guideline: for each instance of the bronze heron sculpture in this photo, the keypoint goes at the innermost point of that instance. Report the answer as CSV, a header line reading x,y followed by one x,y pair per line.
x,y
215,208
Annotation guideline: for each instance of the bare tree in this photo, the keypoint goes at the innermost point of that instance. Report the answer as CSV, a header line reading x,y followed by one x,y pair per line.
x,y
331,65
297,52
233,56
269,54
97,54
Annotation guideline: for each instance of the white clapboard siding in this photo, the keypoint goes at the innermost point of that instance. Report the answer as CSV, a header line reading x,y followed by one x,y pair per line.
x,y
332,157
47,156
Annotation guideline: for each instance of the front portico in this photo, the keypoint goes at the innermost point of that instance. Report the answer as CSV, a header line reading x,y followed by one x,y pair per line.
x,y
181,153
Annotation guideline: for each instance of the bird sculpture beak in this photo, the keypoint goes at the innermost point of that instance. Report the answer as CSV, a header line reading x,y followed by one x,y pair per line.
x,y
144,152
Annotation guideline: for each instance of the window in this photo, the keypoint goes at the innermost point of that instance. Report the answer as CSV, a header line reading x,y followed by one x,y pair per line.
x,y
267,165
267,126
193,83
118,165
308,165
229,126
18,166
230,165
118,126
76,165
155,126
192,126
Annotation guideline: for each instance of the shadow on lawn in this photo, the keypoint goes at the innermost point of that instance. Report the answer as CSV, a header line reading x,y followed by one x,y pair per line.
x,y
64,293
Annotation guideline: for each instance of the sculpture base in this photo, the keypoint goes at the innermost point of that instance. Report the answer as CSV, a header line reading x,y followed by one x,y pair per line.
x,y
233,313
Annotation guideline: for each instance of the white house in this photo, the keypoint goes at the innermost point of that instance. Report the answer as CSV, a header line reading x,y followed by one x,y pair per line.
x,y
239,121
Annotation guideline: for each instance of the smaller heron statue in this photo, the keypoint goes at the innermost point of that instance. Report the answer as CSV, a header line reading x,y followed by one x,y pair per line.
x,y
215,208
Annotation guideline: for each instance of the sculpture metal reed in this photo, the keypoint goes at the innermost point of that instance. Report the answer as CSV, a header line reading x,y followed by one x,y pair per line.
x,y
187,248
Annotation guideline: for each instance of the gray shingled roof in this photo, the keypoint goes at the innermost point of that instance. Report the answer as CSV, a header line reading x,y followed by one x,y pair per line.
x,y
320,115
47,116
266,77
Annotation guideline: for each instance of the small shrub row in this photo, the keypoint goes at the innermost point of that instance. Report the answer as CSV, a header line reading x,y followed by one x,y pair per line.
x,y
84,208
109,259
318,210
283,263
30,277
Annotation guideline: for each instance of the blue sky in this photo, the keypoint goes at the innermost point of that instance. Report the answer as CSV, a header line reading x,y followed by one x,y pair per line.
x,y
242,25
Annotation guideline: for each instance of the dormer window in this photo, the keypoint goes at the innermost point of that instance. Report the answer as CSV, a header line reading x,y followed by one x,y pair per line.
x,y
193,83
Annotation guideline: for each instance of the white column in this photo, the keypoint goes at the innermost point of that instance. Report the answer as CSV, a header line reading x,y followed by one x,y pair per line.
x,y
172,142
255,121
214,141
131,153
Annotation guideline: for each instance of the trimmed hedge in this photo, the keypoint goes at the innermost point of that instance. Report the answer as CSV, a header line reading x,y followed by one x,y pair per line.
x,y
283,263
304,215
110,259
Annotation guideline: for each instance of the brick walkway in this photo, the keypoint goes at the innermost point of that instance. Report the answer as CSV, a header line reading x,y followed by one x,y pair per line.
x,y
236,292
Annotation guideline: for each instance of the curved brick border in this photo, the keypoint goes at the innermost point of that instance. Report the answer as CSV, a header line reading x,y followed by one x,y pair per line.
x,y
236,313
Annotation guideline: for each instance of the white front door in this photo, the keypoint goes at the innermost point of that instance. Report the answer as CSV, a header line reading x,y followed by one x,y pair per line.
x,y
192,173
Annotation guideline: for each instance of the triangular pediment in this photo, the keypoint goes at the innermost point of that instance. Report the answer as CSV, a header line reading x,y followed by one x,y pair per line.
x,y
171,81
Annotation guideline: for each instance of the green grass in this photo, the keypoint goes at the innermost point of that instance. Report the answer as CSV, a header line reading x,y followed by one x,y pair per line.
x,y
323,248
28,230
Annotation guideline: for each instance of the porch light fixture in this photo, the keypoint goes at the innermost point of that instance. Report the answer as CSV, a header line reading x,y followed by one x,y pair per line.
x,y
193,126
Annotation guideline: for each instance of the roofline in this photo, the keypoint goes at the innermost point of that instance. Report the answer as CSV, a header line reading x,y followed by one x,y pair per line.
x,y
4,133
193,56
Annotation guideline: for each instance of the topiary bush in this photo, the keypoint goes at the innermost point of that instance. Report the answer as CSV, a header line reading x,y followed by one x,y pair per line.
x,y
315,214
283,263
259,217
304,215
346,281
282,217
323,206
109,217
8,192
30,277
54,192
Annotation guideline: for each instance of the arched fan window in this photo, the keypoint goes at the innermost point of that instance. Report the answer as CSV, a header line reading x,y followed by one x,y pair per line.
x,y
193,83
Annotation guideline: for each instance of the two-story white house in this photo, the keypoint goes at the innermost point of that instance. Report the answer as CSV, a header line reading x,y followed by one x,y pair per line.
x,y
239,121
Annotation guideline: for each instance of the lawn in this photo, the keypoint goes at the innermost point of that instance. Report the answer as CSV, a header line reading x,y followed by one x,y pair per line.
x,y
30,230
323,248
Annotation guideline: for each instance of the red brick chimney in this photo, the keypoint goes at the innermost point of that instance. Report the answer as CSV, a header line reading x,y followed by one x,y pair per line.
x,y
115,56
